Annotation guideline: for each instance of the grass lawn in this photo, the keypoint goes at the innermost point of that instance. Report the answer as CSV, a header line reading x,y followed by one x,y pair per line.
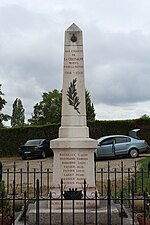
x,y
143,176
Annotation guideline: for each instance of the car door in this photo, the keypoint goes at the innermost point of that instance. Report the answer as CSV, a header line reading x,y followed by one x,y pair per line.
x,y
122,145
105,148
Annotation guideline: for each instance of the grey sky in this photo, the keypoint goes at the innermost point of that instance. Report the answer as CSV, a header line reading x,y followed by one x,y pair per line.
x,y
116,52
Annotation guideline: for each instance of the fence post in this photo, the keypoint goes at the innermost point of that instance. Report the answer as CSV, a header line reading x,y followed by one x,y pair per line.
x,y
122,176
144,194
37,202
25,208
8,181
129,186
28,171
50,208
14,196
133,187
41,177
96,207
95,167
108,171
109,203
135,179
14,180
122,207
84,202
102,181
1,168
61,201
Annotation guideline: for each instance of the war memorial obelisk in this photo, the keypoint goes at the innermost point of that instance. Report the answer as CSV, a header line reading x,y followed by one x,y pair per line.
x,y
73,150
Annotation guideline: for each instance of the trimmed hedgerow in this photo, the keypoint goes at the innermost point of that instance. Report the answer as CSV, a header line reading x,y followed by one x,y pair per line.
x,y
12,138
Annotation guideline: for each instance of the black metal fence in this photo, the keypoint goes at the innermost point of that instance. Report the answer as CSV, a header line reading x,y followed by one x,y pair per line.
x,y
25,180
120,193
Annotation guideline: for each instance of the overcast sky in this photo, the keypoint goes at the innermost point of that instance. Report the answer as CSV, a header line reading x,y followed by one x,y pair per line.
x,y
116,36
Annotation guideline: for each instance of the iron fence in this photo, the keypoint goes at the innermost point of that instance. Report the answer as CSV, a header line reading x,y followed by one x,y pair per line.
x,y
25,180
121,189
126,208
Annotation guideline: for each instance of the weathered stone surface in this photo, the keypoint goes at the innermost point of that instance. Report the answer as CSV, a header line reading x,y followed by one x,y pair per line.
x,y
73,150
79,216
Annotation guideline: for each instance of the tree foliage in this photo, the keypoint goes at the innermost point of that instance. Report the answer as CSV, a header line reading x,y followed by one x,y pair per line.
x,y
18,116
48,111
3,117
90,111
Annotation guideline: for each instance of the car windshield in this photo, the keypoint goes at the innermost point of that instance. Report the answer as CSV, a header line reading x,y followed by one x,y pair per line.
x,y
33,142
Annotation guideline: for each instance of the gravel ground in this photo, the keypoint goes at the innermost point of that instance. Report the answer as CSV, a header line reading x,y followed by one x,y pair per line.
x,y
8,163
17,164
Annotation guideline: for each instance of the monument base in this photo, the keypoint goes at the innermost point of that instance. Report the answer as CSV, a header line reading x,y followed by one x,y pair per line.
x,y
76,216
78,202
73,162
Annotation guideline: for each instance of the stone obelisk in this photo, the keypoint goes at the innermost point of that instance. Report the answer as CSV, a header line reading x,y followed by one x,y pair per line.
x,y
73,149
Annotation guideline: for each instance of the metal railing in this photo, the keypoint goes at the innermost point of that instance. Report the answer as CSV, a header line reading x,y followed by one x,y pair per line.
x,y
25,180
114,186
125,206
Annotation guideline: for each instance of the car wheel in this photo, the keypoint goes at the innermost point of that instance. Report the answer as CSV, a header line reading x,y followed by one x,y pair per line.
x,y
43,154
133,153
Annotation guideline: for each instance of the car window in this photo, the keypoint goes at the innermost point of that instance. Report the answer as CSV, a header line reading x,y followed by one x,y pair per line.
x,y
33,142
107,141
122,140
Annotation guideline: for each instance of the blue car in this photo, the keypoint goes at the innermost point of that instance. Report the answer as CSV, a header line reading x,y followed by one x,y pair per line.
x,y
121,145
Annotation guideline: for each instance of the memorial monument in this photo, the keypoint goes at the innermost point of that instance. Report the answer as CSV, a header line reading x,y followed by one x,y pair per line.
x,y
73,150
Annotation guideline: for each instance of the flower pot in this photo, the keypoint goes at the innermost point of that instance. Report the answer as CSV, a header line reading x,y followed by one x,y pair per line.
x,y
140,218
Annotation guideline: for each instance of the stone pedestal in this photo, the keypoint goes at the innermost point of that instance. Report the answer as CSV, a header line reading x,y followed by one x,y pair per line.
x,y
73,162
77,217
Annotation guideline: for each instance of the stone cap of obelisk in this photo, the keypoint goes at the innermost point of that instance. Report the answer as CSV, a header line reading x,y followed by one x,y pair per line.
x,y
73,29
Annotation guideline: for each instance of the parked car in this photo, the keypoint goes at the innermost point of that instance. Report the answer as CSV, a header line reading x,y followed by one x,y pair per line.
x,y
35,148
121,145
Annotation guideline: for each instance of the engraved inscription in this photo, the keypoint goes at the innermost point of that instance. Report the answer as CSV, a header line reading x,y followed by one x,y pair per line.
x,y
73,167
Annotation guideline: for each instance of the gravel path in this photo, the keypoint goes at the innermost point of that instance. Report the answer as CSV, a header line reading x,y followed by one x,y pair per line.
x,y
47,163
17,164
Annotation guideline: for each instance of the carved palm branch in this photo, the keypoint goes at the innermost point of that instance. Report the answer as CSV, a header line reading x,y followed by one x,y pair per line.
x,y
73,99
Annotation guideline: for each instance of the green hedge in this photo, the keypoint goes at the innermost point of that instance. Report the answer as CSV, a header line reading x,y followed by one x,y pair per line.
x,y
12,138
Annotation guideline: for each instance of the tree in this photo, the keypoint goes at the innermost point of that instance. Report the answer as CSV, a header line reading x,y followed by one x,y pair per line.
x,y
18,116
49,109
3,117
145,116
90,111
